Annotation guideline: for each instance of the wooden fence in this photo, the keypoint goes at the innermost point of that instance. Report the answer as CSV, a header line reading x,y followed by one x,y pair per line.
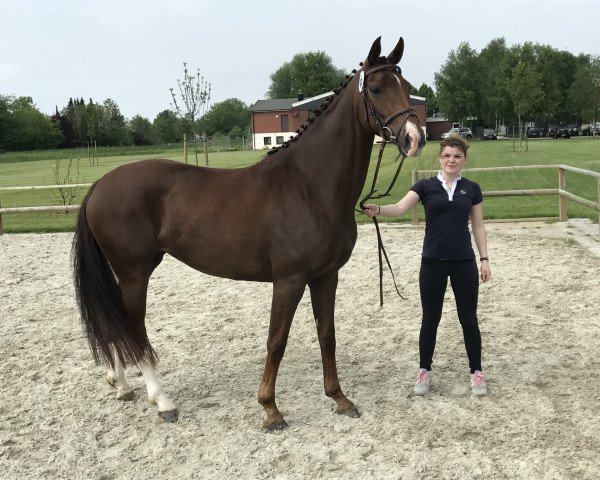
x,y
563,195
561,191
52,208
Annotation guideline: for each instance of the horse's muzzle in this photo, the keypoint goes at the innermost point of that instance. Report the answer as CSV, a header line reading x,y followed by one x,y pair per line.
x,y
411,139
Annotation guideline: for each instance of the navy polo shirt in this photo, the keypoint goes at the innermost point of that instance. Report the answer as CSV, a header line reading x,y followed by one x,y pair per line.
x,y
447,235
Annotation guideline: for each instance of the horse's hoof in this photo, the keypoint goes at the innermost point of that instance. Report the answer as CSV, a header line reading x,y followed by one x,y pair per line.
x,y
170,416
126,396
275,426
351,412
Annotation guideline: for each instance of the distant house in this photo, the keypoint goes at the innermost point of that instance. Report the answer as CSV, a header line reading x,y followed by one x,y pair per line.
x,y
276,120
436,126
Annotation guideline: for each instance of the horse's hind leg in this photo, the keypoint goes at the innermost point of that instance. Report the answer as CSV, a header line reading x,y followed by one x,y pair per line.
x,y
116,378
156,394
322,292
134,292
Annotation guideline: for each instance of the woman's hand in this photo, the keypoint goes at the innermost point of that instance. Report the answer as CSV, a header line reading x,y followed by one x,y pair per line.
x,y
486,272
371,210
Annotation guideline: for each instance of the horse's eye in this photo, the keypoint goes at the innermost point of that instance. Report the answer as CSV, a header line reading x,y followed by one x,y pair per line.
x,y
376,90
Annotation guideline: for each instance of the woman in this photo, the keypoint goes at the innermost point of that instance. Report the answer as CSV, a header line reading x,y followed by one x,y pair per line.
x,y
449,201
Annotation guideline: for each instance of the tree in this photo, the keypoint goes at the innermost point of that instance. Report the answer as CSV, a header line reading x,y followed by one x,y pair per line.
x,y
311,74
525,91
195,97
31,129
76,113
427,92
141,130
584,94
458,84
112,128
495,105
224,116
7,123
168,127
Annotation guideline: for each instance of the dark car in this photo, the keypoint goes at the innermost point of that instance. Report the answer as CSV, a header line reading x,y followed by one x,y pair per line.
x,y
561,132
534,132
488,134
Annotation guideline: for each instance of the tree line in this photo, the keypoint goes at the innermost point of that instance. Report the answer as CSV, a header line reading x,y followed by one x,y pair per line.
x,y
498,85
523,83
80,123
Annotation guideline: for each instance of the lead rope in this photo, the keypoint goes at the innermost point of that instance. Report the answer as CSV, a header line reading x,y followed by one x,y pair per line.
x,y
371,196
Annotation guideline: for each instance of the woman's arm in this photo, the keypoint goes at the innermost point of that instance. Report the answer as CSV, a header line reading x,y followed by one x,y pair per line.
x,y
393,210
479,234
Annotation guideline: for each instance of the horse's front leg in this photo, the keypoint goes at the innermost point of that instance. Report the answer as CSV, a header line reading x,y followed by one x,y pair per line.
x,y
322,292
286,295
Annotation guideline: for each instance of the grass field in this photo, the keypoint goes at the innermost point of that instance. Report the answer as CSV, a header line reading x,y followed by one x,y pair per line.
x,y
584,153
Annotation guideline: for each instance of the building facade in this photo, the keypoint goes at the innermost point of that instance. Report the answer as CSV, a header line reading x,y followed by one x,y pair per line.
x,y
275,121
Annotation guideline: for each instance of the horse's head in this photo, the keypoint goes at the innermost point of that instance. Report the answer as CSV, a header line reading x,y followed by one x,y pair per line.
x,y
386,96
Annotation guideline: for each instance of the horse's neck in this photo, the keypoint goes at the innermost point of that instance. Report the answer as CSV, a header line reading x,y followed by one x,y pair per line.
x,y
334,153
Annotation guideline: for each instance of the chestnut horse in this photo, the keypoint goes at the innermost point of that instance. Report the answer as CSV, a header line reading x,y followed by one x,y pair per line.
x,y
289,220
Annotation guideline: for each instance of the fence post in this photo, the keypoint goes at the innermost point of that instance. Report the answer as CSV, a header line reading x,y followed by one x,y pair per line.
x,y
2,232
185,148
562,200
415,210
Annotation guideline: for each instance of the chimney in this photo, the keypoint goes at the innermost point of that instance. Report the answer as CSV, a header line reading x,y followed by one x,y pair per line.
x,y
300,96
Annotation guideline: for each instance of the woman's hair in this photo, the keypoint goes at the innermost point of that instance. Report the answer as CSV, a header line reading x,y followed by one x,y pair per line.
x,y
454,141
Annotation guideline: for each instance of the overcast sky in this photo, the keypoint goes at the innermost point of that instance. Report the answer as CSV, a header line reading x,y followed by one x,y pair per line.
x,y
132,50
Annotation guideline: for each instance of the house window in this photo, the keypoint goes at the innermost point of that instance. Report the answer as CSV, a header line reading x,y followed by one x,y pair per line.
x,y
284,123
279,139
267,140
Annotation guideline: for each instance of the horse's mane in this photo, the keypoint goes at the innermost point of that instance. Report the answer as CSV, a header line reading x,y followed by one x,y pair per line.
x,y
327,103
312,116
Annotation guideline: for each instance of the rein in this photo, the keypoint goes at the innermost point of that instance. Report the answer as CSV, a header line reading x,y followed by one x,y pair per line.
x,y
386,135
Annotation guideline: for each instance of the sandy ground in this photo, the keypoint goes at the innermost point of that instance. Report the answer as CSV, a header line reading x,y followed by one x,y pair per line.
x,y
540,320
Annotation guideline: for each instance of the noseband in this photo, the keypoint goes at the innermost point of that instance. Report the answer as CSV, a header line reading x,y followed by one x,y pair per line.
x,y
385,132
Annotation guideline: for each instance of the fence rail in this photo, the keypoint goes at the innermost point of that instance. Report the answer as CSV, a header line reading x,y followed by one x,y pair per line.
x,y
561,191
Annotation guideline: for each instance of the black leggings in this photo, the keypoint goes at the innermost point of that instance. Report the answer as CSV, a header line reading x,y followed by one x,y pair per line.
x,y
433,279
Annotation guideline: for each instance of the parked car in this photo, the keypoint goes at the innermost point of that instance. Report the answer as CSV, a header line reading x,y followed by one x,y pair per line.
x,y
561,132
488,134
462,131
590,129
534,132
573,130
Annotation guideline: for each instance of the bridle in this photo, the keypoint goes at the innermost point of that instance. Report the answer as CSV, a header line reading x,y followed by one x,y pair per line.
x,y
386,134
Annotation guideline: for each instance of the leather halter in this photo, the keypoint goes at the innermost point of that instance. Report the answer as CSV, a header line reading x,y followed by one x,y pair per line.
x,y
386,135
385,132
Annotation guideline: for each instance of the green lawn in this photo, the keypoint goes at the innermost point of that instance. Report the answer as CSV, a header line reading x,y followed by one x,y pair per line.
x,y
21,170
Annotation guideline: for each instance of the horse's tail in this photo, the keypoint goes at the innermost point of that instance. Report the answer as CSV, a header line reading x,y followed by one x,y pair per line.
x,y
108,329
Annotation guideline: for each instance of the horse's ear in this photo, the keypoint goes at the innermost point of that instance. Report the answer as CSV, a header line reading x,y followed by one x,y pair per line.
x,y
396,54
375,51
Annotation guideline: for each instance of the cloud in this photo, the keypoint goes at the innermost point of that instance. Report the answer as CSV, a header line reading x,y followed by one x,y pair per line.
x,y
7,71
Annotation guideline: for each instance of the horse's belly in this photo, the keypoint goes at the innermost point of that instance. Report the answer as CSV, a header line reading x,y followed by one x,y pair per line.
x,y
225,264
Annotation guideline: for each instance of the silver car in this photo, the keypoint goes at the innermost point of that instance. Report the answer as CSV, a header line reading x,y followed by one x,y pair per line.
x,y
462,131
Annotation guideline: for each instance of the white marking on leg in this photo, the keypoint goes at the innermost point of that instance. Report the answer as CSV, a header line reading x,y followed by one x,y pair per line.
x,y
156,394
116,378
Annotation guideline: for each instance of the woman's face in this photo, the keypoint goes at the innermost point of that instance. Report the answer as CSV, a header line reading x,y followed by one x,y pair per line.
x,y
452,160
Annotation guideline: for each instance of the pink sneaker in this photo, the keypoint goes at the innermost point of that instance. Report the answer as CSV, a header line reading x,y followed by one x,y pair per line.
x,y
423,382
478,386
